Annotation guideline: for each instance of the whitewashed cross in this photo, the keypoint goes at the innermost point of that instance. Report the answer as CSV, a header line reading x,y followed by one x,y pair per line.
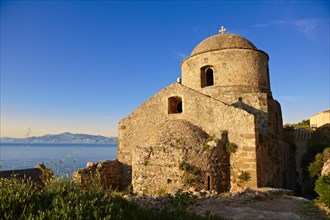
x,y
222,30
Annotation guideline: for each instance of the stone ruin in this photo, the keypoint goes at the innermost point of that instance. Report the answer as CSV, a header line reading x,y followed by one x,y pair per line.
x,y
216,128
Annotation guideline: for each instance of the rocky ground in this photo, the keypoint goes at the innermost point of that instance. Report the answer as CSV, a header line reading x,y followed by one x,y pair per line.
x,y
263,203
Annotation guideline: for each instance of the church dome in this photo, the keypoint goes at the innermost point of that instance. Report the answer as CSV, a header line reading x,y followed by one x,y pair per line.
x,y
222,41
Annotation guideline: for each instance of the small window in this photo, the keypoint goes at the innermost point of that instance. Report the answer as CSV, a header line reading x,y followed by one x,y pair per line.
x,y
174,105
207,78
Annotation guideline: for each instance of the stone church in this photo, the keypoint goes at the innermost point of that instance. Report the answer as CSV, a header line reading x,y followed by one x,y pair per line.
x,y
217,127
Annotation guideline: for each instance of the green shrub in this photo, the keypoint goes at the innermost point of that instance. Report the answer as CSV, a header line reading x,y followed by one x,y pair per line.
x,y
319,141
61,199
160,192
183,166
145,191
322,187
191,169
309,156
189,181
129,189
315,167
244,176
305,124
321,136
231,147
181,200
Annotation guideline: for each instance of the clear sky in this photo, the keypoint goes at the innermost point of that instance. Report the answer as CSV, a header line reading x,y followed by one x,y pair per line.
x,y
81,66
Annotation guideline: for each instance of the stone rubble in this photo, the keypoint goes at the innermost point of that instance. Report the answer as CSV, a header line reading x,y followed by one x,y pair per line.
x,y
206,197
246,204
107,172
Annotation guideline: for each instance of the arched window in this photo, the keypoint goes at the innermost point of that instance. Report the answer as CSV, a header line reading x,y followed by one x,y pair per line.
x,y
207,78
174,105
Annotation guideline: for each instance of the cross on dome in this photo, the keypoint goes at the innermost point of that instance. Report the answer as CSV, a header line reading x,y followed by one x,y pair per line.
x,y
222,30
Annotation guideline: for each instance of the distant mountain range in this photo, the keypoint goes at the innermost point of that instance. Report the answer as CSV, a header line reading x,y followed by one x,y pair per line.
x,y
64,138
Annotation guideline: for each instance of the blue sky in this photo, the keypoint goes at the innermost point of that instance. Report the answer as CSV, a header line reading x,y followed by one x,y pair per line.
x,y
81,66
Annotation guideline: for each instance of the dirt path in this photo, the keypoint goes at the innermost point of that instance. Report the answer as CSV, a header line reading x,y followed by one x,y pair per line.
x,y
280,208
246,204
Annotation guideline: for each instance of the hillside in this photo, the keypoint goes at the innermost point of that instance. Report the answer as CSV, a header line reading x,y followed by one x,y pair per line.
x,y
67,137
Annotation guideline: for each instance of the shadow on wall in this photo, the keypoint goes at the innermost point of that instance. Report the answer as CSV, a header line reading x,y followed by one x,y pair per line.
x,y
250,109
126,176
219,160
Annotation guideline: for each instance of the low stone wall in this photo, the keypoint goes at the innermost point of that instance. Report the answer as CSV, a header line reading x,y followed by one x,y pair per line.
x,y
106,172
40,174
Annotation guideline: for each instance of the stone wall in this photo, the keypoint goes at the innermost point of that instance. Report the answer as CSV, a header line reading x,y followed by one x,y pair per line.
x,y
107,173
201,110
275,165
301,136
40,175
181,156
275,159
289,168
259,104
275,122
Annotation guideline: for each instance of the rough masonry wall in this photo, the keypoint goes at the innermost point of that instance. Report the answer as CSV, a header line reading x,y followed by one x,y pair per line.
x,y
205,112
154,171
180,156
107,173
254,103
301,136
275,159
239,68
276,164
275,121
241,78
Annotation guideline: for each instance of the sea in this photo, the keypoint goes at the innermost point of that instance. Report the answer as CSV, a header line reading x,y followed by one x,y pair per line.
x,y
62,158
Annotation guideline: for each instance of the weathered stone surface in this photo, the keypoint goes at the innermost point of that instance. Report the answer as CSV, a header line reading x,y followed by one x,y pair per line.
x,y
224,99
180,156
107,172
261,203
90,164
